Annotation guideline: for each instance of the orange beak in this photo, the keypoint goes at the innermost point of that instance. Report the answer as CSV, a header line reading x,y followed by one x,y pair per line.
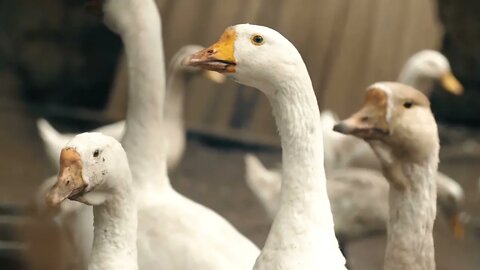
x,y
70,183
451,84
219,56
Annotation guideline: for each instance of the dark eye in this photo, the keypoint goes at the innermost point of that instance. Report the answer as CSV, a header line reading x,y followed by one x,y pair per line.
x,y
96,153
408,104
257,40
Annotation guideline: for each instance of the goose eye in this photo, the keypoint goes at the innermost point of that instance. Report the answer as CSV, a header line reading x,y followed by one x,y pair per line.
x,y
96,153
257,40
408,104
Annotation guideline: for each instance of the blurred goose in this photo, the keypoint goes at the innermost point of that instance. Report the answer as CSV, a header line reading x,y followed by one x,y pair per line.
x,y
302,234
210,242
94,170
398,124
179,76
426,67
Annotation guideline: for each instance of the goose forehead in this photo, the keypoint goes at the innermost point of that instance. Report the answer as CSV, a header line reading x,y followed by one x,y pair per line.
x,y
252,28
400,92
87,142
381,95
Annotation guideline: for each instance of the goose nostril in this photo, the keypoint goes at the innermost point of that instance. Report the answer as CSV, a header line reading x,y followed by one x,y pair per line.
x,y
211,51
364,119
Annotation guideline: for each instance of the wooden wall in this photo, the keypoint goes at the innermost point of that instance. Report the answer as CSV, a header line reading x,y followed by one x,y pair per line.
x,y
346,45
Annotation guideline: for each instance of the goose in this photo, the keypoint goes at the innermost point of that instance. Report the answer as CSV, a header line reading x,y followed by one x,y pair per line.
x,y
179,76
174,232
302,234
76,218
396,121
94,170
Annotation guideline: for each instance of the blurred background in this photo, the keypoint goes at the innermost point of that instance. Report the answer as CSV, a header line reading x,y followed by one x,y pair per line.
x,y
60,63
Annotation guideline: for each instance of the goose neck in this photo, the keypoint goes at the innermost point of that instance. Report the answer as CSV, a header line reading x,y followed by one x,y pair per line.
x,y
304,215
115,233
143,140
412,205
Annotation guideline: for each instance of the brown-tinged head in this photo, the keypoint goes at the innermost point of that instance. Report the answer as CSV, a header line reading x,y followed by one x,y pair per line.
x,y
91,165
396,114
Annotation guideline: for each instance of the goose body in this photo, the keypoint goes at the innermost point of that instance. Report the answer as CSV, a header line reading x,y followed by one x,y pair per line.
x,y
94,170
302,234
402,131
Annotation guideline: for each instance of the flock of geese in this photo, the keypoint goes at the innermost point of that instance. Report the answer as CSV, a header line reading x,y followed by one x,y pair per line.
x,y
141,222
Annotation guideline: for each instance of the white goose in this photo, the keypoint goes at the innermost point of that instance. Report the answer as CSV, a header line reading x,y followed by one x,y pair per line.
x,y
94,170
76,218
398,124
302,234
169,224
174,124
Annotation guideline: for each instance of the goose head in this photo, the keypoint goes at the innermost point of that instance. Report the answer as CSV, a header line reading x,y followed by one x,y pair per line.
x,y
252,55
397,116
432,66
125,16
91,166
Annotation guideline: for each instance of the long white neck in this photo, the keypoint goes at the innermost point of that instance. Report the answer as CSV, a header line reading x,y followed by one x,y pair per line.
x,y
410,75
146,70
115,233
412,205
304,223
